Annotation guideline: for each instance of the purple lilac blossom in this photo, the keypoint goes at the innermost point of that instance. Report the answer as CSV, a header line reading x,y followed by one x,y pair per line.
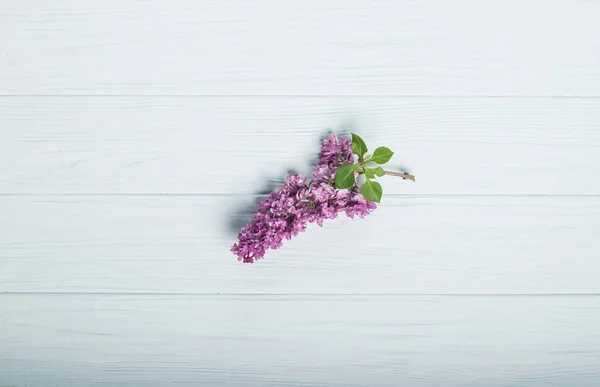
x,y
288,211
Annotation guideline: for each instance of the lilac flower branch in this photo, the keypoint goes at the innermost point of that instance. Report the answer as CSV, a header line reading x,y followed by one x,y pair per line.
x,y
333,189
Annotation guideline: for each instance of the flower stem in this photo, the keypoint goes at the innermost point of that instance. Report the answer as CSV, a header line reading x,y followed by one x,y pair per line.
x,y
404,175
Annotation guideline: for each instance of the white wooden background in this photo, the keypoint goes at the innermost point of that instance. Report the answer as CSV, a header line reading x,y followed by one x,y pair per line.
x,y
132,134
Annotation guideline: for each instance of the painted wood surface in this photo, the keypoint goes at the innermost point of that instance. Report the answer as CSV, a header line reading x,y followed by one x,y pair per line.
x,y
107,340
432,47
135,135
233,145
411,244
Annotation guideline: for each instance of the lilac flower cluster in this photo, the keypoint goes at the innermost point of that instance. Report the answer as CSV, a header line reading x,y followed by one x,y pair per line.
x,y
288,211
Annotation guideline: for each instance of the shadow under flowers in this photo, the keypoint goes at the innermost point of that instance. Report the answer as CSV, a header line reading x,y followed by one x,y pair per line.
x,y
243,213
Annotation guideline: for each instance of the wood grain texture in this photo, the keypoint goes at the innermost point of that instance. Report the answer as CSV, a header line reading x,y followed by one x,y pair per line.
x,y
299,341
234,145
433,47
411,244
134,133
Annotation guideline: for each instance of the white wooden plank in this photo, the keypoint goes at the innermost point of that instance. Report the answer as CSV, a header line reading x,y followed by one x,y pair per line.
x,y
233,145
411,244
57,340
458,47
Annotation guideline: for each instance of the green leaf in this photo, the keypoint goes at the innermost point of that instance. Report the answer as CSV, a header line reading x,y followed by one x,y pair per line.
x,y
372,191
358,146
344,177
382,155
379,171
369,173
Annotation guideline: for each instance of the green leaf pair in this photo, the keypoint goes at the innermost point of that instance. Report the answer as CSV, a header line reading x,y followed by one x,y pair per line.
x,y
345,176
